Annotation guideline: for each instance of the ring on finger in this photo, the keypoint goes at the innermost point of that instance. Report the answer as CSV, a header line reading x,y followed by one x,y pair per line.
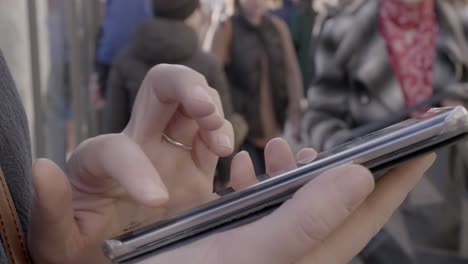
x,y
175,142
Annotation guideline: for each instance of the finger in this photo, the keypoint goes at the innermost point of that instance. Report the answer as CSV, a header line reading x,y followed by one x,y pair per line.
x,y
162,91
220,141
215,119
371,216
51,215
303,222
242,171
216,100
185,130
117,158
306,155
203,157
278,157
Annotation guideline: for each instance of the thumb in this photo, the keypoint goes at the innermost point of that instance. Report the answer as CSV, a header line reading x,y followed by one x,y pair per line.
x,y
306,220
52,228
117,157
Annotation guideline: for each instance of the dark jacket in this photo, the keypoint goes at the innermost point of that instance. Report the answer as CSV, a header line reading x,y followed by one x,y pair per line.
x,y
15,148
300,21
355,86
157,41
300,24
249,45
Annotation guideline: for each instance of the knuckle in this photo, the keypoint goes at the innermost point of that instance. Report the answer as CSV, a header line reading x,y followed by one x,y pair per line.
x,y
168,70
322,218
155,70
179,75
197,77
110,141
343,206
228,125
312,228
215,94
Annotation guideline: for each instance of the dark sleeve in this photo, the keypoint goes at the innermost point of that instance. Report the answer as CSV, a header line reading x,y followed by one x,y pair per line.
x,y
294,28
325,123
117,107
15,147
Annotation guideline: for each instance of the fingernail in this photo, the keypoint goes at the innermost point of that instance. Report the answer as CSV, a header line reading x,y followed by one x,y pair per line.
x,y
429,161
306,156
354,183
224,141
201,94
244,153
157,195
158,198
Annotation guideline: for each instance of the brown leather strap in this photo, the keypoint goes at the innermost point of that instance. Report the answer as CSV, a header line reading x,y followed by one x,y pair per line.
x,y
10,227
227,41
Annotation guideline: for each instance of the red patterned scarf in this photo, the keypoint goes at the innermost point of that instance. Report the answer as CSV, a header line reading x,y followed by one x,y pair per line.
x,y
410,31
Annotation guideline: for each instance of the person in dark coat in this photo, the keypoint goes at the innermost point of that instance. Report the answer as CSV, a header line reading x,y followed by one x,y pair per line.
x,y
167,38
375,60
265,81
299,16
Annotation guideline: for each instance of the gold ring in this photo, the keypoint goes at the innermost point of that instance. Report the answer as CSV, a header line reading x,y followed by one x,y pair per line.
x,y
176,143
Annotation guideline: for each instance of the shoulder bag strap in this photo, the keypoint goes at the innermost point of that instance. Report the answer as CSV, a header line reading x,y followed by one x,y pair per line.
x,y
10,227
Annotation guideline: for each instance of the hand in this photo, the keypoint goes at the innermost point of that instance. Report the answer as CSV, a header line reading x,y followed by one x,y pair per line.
x,y
119,182
329,220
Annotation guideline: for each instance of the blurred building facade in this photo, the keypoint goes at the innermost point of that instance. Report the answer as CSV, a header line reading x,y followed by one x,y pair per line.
x,y
24,43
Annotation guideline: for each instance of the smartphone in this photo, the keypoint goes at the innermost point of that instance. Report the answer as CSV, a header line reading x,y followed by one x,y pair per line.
x,y
378,151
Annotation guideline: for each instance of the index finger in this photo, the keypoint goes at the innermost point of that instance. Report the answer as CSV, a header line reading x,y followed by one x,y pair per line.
x,y
163,91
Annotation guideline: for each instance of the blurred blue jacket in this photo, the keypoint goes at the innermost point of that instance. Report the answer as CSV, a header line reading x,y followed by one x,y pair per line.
x,y
122,16
285,11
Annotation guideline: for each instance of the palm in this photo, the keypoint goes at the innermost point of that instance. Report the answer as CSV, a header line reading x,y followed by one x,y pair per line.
x,y
187,181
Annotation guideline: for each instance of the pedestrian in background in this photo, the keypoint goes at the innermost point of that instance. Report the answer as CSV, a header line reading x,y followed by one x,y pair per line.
x,y
264,76
120,20
374,61
300,18
168,37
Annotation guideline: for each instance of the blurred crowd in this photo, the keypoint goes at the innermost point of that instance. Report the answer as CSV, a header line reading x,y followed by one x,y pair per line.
x,y
318,73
